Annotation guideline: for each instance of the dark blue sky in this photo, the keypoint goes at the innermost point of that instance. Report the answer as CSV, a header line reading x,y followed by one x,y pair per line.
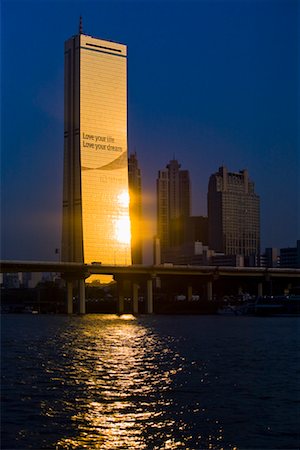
x,y
211,82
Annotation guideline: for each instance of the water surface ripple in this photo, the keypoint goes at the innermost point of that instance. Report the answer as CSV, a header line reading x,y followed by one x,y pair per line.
x,y
161,382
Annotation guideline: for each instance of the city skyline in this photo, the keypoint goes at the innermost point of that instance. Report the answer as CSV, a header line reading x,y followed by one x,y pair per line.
x,y
215,85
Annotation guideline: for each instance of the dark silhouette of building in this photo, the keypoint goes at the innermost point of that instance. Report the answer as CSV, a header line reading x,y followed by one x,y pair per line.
x,y
135,209
290,256
173,206
196,229
270,257
233,214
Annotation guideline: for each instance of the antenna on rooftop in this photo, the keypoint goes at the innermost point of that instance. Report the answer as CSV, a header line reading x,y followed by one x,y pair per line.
x,y
80,25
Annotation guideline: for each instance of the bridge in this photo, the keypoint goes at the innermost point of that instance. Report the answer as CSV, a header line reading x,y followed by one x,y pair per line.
x,y
187,275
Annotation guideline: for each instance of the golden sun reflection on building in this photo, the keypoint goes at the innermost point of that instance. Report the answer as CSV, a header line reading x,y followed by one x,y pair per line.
x,y
122,223
123,199
122,230
96,223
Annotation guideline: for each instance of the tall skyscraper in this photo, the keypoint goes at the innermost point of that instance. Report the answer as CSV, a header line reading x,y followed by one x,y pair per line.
x,y
173,205
96,224
233,213
135,209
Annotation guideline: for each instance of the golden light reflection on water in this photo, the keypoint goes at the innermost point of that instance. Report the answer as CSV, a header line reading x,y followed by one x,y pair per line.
x,y
126,373
127,317
121,388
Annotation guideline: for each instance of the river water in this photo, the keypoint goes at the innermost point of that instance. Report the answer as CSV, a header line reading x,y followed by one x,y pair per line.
x,y
152,382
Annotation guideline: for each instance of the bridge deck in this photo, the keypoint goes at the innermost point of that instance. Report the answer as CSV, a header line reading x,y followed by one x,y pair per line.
x,y
78,269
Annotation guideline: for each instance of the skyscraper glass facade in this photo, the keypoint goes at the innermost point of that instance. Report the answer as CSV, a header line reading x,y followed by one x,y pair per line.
x,y
96,224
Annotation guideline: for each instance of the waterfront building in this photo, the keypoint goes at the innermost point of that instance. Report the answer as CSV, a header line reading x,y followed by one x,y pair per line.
x,y
233,214
270,257
193,248
219,259
135,208
96,224
290,256
12,280
173,206
27,280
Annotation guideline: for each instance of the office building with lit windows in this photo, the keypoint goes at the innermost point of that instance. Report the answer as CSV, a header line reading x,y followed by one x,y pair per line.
x,y
96,223
233,214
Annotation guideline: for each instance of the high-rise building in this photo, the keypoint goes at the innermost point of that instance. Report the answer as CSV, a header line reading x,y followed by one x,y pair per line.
x,y
173,206
96,224
233,213
135,208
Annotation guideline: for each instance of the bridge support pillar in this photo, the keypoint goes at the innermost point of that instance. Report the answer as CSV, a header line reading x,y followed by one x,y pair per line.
x,y
189,292
209,291
149,296
69,284
81,296
260,289
135,298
